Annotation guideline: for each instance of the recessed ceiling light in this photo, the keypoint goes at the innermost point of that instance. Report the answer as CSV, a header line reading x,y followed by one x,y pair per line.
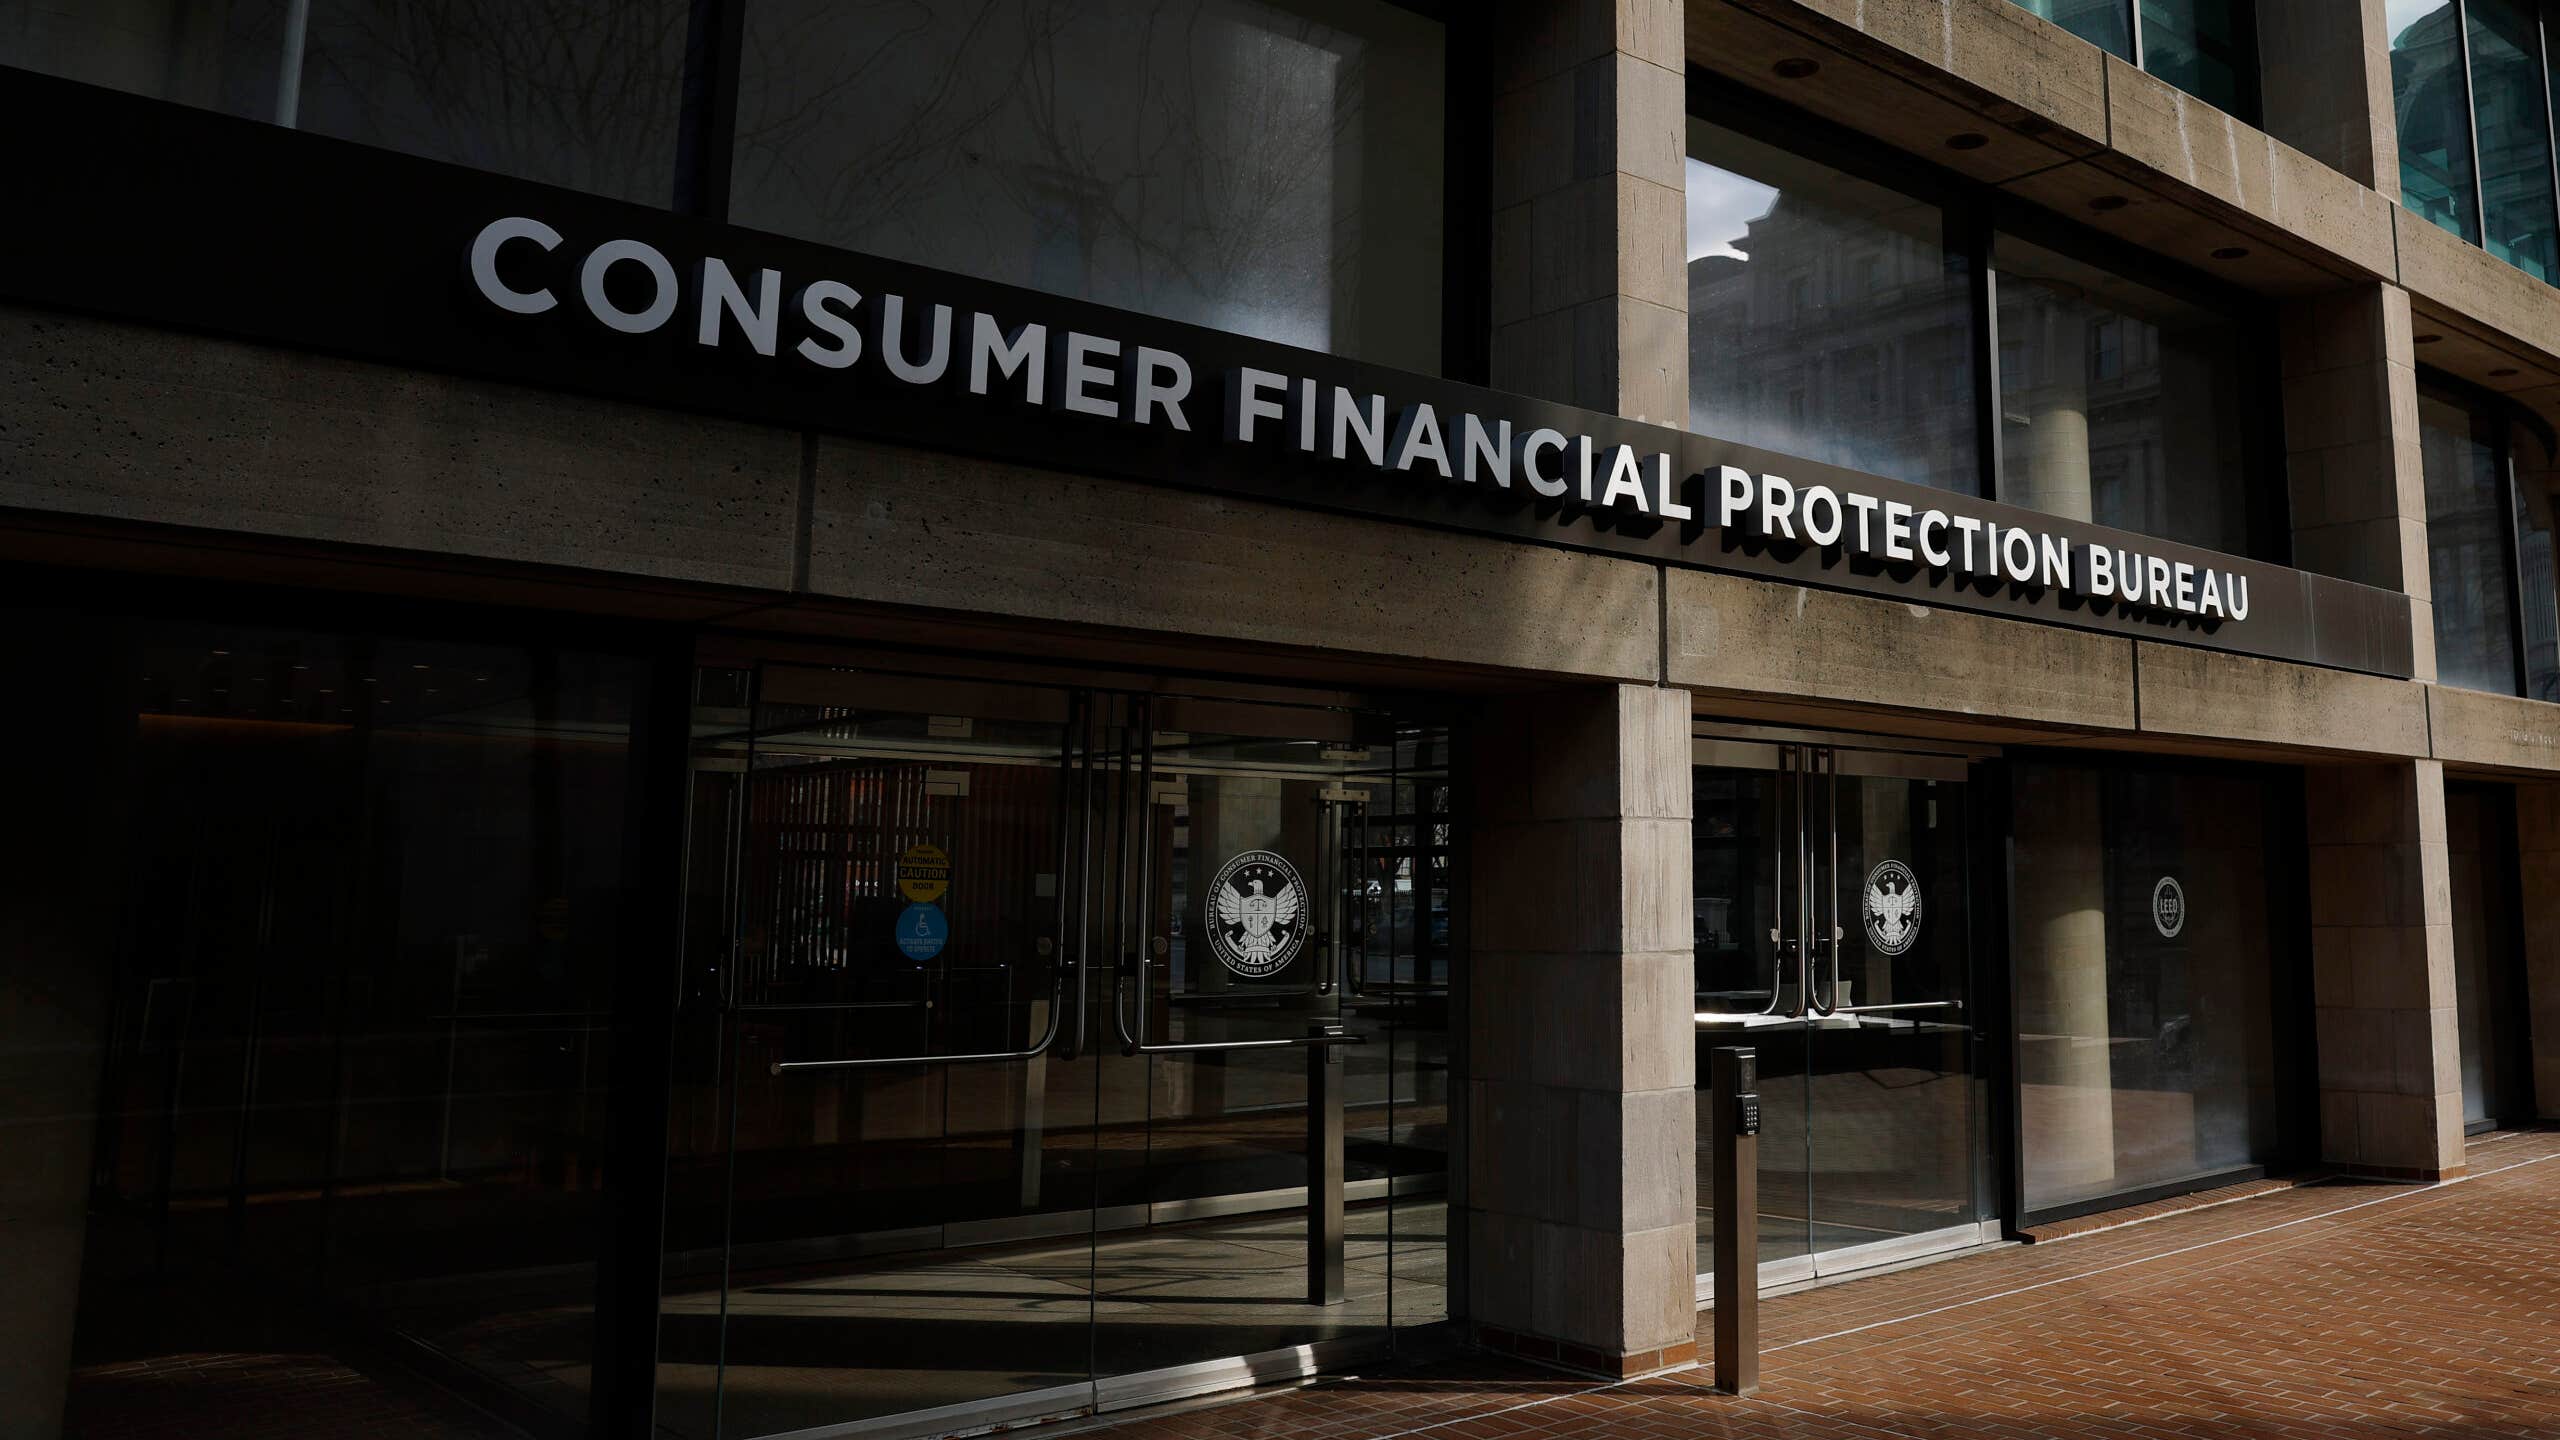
x,y
2105,203
1795,68
1969,140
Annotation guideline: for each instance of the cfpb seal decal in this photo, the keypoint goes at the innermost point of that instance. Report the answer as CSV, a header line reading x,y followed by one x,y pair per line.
x,y
1254,909
1893,908
2169,907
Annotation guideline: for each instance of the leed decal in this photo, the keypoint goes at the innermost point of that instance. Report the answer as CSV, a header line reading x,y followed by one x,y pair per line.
x,y
2168,907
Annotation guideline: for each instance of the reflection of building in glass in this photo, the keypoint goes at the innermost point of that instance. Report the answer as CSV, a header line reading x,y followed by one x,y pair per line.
x,y
2433,108
1833,336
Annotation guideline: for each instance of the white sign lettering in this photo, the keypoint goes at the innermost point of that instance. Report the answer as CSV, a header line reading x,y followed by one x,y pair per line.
x,y
1772,508
631,287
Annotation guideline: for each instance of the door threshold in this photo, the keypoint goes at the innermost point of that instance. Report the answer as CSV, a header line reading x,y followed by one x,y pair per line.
x,y
1105,1402
1860,1262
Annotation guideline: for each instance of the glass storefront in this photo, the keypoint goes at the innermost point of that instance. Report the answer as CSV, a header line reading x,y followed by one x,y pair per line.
x,y
1046,1050
1834,938
2146,941
322,1036
2491,1001
1039,1050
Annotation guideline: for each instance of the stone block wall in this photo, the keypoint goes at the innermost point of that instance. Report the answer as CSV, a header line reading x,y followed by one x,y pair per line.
x,y
1581,1143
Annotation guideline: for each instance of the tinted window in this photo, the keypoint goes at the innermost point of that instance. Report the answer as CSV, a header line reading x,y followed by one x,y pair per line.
x,y
580,93
2145,978
2467,508
2427,94
2204,47
1267,169
2535,595
2119,404
1826,316
2107,24
2515,136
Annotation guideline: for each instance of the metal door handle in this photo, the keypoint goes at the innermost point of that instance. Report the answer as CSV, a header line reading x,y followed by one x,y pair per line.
x,y
1059,973
992,1057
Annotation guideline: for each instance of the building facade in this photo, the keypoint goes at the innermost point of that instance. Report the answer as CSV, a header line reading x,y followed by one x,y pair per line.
x,y
763,718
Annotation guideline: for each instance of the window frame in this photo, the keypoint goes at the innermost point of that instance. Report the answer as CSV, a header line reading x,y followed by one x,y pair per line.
x,y
2494,421
1975,214
2290,1015
707,131
706,135
2542,56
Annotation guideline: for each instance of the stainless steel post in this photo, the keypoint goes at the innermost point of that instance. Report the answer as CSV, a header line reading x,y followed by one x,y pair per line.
x,y
1734,1099
1325,1069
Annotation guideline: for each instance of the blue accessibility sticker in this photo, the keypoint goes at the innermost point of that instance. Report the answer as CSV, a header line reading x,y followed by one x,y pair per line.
x,y
922,931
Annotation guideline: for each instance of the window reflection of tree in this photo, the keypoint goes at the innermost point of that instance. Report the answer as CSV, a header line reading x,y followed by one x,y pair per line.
x,y
1181,155
581,93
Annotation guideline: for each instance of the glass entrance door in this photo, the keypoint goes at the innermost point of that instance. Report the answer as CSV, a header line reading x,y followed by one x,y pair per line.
x,y
1028,1078
1833,937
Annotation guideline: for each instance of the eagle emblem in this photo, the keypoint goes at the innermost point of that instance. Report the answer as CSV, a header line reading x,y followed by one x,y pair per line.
x,y
1254,908
1892,908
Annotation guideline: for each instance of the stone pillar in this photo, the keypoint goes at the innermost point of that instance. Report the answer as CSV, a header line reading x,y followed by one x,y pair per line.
x,y
1581,1133
2066,1077
2056,479
2324,78
2382,970
2538,857
2352,456
1590,143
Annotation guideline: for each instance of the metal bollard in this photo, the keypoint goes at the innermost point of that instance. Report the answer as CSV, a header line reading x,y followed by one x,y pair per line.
x,y
1734,1099
1324,1168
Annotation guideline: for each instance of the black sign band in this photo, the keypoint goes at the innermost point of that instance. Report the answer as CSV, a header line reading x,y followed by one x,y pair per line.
x,y
179,217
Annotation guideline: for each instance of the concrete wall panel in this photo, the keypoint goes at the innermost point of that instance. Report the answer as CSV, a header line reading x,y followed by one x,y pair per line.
x,y
1999,47
2471,727
911,527
2207,694
127,422
1753,636
2442,270
2158,126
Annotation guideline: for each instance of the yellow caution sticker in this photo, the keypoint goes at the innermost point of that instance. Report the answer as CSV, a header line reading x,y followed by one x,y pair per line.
x,y
924,874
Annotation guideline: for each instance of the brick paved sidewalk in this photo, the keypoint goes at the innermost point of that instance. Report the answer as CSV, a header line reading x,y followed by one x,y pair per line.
x,y
2341,1311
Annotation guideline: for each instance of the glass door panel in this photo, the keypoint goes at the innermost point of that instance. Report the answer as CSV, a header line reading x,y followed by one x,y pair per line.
x,y
1224,1097
909,1132
1891,1150
1047,1051
1832,939
1751,870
